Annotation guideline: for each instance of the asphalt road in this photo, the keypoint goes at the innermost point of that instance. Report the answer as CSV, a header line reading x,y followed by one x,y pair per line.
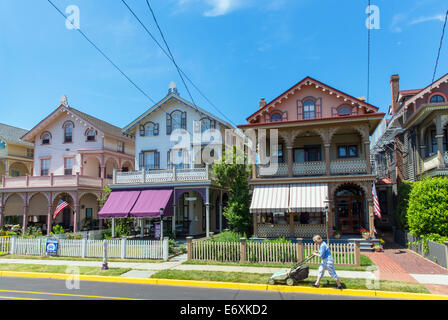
x,y
50,289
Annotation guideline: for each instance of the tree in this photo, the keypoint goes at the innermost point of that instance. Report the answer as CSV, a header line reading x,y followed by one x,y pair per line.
x,y
234,177
123,226
428,207
404,191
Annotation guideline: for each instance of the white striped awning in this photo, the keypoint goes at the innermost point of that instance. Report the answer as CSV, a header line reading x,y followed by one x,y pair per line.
x,y
270,198
307,197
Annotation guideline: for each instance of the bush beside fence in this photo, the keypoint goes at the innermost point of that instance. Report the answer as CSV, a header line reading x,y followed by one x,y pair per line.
x,y
121,248
266,252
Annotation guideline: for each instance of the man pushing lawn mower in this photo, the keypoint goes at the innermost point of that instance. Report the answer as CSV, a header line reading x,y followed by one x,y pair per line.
x,y
326,262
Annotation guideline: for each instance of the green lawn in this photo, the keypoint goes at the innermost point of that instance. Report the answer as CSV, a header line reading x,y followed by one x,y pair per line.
x,y
16,256
366,264
61,269
256,278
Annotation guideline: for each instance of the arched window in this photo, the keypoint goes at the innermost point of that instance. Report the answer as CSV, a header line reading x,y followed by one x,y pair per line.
x,y
2,144
276,117
344,111
309,109
68,132
91,135
176,120
437,99
46,138
149,129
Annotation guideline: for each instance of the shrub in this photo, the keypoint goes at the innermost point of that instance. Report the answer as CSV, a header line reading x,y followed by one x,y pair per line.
x,y
228,236
404,191
58,229
428,207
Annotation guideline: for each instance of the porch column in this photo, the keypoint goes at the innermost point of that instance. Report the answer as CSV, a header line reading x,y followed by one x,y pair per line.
x,y
207,211
367,151
25,217
173,221
76,213
327,158
220,211
2,208
49,214
291,224
1,215
103,171
440,144
371,218
255,222
7,173
290,161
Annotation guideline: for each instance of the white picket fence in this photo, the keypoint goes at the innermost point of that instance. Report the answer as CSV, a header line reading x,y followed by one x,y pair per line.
x,y
119,248
271,252
343,254
216,251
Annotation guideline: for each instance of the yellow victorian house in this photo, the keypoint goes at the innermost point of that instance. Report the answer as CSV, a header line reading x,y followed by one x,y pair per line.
x,y
16,155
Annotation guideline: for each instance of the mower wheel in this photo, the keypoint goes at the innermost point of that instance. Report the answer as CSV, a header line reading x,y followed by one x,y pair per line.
x,y
290,282
271,282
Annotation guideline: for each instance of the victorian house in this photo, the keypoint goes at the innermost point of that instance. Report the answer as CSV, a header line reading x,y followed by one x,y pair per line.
x,y
322,149
75,155
173,183
412,143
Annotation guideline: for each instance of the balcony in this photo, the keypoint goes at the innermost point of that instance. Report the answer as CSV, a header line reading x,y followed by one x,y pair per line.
x,y
53,181
354,166
163,176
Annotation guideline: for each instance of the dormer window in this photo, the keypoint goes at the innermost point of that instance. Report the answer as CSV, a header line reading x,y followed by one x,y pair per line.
x,y
437,99
309,109
46,138
68,132
149,129
344,111
276,117
91,135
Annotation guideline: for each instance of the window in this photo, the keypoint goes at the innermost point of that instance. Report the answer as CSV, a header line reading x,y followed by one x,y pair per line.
x,y
433,146
279,153
45,167
344,111
207,124
308,153
309,109
176,118
276,117
120,146
348,151
2,144
149,129
89,214
149,160
68,132
46,138
91,135
68,166
437,99
15,173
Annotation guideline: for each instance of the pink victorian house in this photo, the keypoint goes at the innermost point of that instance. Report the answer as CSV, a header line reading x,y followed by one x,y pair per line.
x,y
75,156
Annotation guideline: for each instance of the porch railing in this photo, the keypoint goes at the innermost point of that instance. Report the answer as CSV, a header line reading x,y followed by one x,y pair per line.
x,y
310,168
348,166
53,181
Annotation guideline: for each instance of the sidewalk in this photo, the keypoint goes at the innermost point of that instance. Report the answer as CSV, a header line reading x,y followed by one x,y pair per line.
x,y
400,264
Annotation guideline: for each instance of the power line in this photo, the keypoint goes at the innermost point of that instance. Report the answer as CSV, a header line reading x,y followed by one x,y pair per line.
x,y
179,69
169,51
440,47
102,53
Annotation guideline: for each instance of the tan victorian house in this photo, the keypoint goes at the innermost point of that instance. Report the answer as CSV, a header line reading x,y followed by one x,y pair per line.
x,y
16,155
75,156
323,162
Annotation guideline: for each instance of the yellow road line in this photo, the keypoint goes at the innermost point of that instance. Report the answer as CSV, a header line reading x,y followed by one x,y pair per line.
x,y
17,298
66,294
232,285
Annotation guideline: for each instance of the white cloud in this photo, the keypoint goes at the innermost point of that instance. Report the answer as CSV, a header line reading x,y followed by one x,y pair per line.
x,y
438,17
222,7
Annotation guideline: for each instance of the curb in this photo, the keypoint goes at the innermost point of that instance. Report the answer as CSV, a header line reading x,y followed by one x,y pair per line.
x,y
230,285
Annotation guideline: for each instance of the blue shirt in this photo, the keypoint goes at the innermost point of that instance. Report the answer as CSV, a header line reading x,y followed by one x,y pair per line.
x,y
324,252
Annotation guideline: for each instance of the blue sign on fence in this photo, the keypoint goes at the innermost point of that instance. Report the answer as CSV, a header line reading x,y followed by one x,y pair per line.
x,y
52,246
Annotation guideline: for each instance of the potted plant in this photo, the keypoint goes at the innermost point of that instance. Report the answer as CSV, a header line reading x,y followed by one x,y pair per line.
x,y
365,234
337,234
377,247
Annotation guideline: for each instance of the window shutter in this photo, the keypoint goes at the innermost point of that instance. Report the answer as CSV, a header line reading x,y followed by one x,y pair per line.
x,y
156,129
213,124
142,131
141,160
299,110
168,124
184,121
157,160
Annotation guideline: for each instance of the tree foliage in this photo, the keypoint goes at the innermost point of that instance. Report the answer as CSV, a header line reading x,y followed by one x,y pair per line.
x,y
404,191
234,176
428,207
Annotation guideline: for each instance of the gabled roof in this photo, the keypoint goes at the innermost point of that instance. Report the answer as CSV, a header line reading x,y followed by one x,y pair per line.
x,y
105,127
173,95
12,134
426,90
310,81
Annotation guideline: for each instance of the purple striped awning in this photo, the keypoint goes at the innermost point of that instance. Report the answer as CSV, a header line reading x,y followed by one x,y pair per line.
x,y
119,204
153,203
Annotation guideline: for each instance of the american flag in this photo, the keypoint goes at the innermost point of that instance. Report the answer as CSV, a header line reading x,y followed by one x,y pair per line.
x,y
376,203
61,205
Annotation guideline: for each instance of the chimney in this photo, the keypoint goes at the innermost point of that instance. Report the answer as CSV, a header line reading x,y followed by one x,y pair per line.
x,y
395,90
262,103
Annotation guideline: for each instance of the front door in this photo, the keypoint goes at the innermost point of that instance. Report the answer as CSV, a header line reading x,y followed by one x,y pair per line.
x,y
66,215
349,212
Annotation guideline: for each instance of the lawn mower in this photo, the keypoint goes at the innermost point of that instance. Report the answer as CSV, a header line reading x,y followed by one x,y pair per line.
x,y
291,276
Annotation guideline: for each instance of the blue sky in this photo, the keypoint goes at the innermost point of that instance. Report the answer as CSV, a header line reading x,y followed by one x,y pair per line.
x,y
236,51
